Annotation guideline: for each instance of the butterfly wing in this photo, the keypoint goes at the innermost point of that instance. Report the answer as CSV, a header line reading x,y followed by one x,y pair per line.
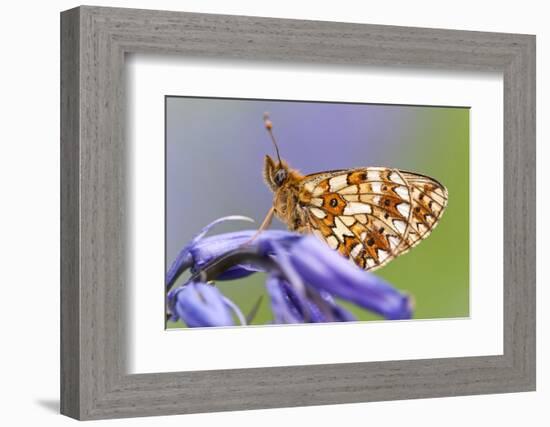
x,y
429,200
372,215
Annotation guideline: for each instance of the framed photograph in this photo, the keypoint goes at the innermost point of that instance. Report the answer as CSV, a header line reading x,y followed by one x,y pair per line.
x,y
362,212
279,213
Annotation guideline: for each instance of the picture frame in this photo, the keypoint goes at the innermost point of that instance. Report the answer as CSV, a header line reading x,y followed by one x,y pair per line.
x,y
94,381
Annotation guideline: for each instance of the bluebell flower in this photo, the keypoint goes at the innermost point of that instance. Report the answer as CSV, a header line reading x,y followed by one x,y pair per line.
x,y
203,250
201,304
304,276
289,307
316,264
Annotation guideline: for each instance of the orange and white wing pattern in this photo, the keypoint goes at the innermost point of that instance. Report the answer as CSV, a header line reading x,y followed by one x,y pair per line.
x,y
372,215
429,200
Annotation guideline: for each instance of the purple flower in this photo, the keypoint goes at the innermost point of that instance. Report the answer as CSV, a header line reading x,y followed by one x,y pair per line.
x,y
200,304
283,307
318,266
289,307
304,277
203,250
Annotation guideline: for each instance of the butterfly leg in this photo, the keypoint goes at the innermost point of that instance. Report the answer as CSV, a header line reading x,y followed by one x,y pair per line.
x,y
264,226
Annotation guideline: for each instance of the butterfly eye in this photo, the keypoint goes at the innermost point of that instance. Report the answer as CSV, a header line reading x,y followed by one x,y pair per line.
x,y
280,177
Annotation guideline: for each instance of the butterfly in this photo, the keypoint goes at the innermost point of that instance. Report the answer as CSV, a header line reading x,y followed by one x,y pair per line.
x,y
370,215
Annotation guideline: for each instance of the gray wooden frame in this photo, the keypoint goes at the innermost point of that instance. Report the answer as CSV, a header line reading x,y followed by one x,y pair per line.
x,y
94,41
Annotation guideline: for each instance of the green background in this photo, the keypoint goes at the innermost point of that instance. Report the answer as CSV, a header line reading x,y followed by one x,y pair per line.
x,y
214,159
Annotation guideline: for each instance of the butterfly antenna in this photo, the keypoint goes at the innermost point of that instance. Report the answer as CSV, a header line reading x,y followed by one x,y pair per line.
x,y
269,127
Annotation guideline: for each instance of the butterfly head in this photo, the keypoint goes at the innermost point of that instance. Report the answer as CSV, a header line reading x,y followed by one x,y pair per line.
x,y
275,173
